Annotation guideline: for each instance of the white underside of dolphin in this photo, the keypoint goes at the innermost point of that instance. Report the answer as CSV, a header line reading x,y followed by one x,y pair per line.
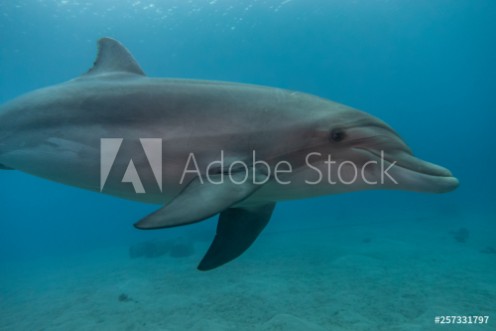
x,y
246,132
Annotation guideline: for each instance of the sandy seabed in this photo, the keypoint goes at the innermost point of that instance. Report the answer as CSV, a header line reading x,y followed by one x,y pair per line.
x,y
363,276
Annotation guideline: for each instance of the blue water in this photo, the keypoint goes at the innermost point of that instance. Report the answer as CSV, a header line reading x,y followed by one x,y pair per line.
x,y
428,68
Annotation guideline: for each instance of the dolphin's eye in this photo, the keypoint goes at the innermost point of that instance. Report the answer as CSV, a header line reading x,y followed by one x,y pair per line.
x,y
337,135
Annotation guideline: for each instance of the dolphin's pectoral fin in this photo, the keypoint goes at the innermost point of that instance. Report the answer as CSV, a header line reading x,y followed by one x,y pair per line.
x,y
4,167
113,57
200,200
236,231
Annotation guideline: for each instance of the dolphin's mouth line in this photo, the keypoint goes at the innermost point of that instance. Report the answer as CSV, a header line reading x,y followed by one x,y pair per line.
x,y
412,164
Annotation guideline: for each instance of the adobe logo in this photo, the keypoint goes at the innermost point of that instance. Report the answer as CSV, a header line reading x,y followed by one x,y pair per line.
x,y
109,148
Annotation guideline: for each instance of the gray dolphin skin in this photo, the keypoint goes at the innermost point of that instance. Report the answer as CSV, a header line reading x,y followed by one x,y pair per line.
x,y
222,148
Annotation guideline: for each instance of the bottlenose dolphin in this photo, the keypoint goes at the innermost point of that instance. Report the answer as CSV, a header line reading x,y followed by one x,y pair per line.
x,y
201,148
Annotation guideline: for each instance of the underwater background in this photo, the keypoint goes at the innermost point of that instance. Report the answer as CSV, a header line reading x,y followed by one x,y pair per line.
x,y
378,260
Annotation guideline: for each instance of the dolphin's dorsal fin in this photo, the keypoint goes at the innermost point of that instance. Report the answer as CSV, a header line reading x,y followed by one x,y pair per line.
x,y
113,57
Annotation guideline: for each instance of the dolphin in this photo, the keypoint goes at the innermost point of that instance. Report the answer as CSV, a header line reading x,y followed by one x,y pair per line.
x,y
201,148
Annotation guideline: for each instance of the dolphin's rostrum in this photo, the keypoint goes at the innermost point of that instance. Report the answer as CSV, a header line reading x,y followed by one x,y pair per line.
x,y
305,146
